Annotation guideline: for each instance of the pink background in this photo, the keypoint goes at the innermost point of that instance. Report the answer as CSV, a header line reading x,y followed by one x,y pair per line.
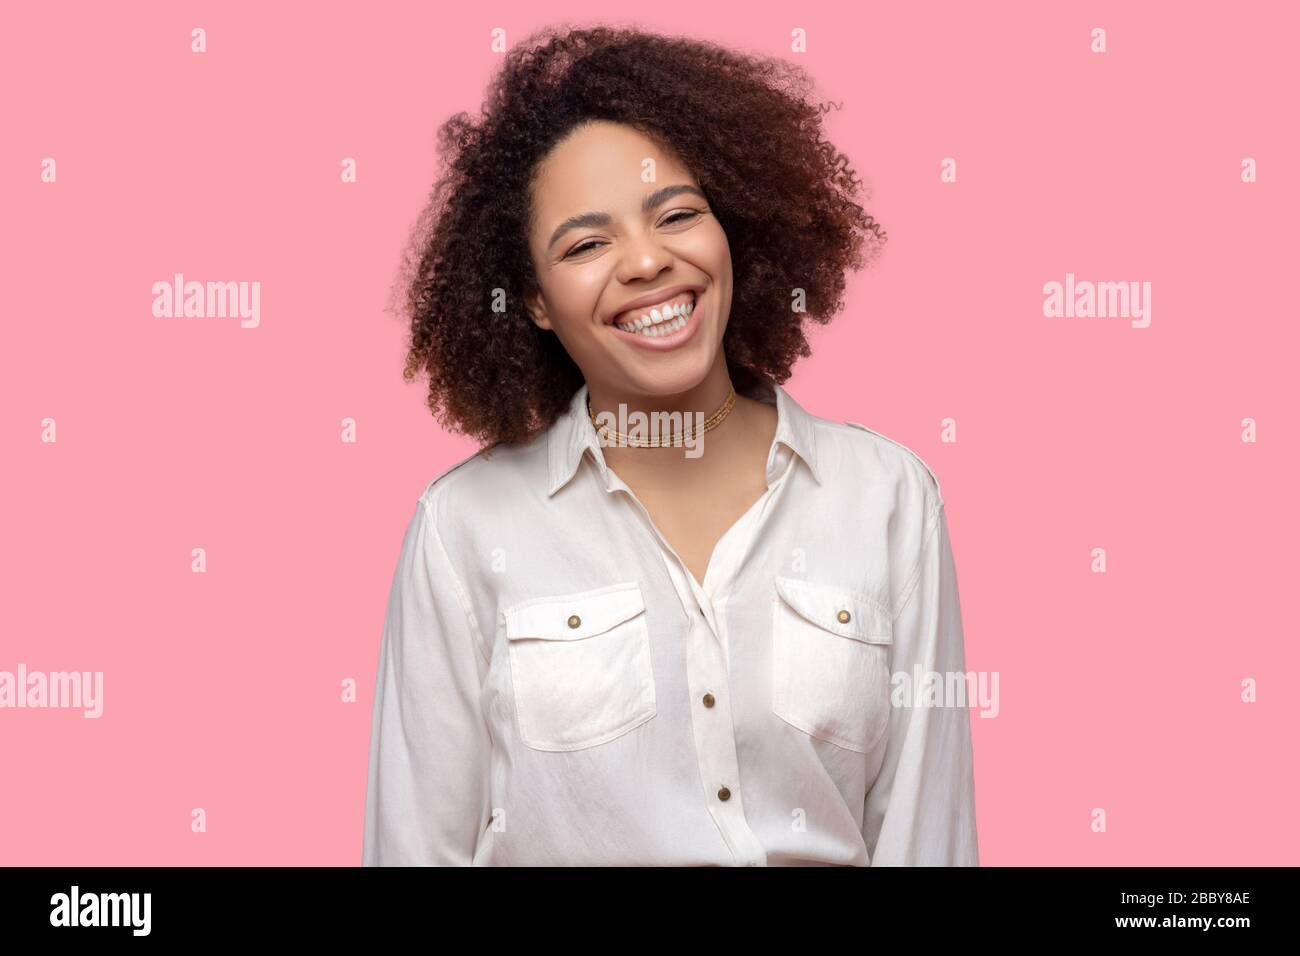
x,y
222,690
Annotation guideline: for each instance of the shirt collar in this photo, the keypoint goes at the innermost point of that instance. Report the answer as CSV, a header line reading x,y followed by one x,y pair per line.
x,y
573,434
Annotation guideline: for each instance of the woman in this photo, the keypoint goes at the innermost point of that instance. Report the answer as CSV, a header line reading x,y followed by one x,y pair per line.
x,y
672,647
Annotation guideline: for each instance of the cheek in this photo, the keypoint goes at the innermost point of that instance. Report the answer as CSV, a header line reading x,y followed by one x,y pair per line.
x,y
712,252
574,295
719,268
574,302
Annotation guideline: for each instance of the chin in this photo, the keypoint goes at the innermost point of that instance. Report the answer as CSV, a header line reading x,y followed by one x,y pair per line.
x,y
660,380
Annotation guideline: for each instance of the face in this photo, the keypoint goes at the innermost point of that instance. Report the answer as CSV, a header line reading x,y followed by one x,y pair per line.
x,y
620,227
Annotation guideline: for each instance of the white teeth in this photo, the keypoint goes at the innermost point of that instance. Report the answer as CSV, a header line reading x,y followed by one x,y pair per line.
x,y
661,320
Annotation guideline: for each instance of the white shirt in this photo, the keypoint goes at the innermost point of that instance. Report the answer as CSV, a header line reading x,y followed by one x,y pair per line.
x,y
556,688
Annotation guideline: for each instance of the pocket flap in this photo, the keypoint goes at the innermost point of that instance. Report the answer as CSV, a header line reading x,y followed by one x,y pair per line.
x,y
841,611
572,617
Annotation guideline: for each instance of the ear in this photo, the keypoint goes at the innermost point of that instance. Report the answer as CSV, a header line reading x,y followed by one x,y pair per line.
x,y
537,309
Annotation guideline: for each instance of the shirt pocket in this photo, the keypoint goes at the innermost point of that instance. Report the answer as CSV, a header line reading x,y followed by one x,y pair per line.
x,y
830,662
580,666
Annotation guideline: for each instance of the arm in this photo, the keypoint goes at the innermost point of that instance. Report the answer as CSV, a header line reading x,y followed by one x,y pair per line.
x,y
921,808
427,785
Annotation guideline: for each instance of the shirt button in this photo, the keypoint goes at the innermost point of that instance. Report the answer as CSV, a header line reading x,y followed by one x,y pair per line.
x,y
708,700
843,617
724,794
574,620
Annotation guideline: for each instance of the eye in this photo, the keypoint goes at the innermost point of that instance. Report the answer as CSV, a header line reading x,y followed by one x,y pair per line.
x,y
581,247
681,215
689,214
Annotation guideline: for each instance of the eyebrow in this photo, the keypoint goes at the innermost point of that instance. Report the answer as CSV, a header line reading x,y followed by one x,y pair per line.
x,y
656,198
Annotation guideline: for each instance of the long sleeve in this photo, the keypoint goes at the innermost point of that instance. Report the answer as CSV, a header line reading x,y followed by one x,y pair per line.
x,y
921,808
427,788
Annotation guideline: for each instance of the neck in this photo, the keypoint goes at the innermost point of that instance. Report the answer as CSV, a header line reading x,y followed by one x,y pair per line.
x,y
704,398
695,406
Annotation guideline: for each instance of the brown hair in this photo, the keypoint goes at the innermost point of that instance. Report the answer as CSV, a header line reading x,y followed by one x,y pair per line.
x,y
783,195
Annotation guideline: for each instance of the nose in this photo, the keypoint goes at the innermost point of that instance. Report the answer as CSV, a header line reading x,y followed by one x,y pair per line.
x,y
643,257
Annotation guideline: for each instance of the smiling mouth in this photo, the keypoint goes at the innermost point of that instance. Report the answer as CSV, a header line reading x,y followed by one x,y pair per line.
x,y
662,319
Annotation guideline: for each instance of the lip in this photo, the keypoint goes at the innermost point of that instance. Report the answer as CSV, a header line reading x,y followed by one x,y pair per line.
x,y
654,298
663,343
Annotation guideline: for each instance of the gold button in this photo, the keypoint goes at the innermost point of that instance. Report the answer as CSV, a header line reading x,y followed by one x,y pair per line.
x,y
708,700
724,794
843,617
574,620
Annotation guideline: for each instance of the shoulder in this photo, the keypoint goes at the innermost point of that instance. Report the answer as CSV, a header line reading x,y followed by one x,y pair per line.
x,y
491,475
439,483
886,455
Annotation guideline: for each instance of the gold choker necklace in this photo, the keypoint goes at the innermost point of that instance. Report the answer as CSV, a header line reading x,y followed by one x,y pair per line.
x,y
613,436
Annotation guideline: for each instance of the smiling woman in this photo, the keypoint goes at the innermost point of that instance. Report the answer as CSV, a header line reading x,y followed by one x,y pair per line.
x,y
594,639
727,143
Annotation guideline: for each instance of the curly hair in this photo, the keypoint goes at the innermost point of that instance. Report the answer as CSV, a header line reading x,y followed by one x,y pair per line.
x,y
783,195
